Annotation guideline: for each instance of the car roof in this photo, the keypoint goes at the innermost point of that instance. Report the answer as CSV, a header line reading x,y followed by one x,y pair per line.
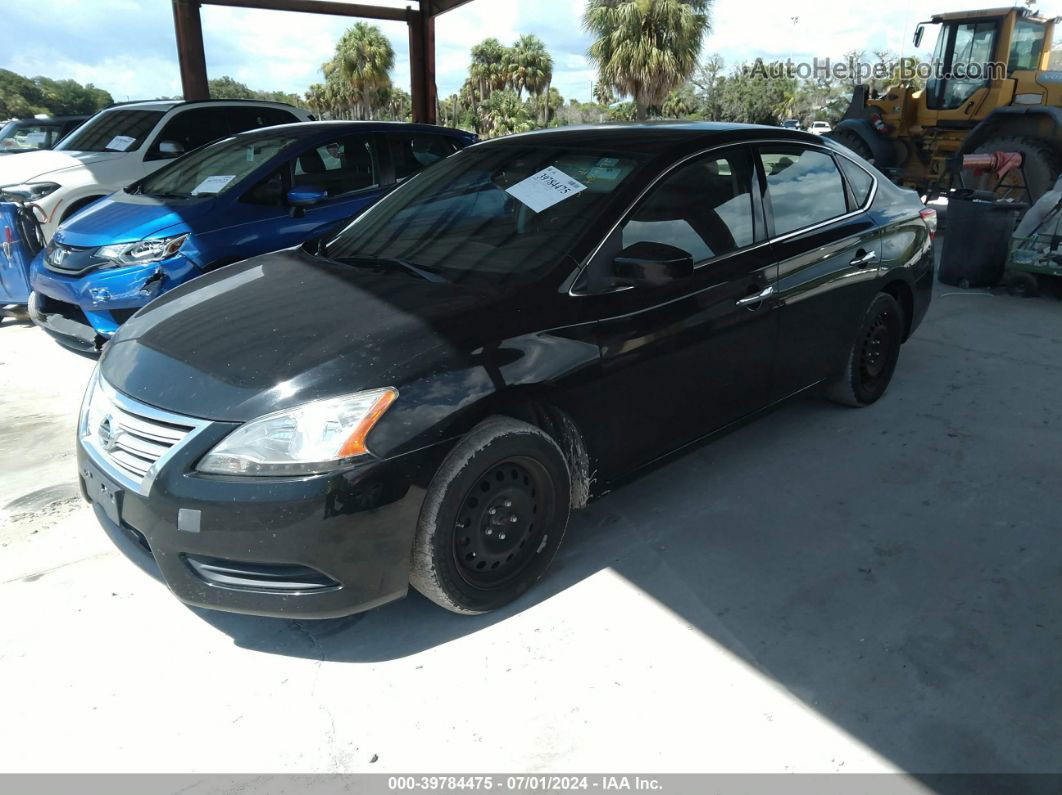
x,y
168,104
653,137
308,129
45,120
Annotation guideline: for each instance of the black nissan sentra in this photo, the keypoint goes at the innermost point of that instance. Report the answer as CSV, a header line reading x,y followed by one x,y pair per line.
x,y
424,396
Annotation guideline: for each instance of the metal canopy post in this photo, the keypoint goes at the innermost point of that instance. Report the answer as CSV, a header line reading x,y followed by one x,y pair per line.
x,y
422,65
421,22
190,55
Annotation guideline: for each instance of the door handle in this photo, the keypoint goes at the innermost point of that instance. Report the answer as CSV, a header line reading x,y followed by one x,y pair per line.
x,y
753,300
866,259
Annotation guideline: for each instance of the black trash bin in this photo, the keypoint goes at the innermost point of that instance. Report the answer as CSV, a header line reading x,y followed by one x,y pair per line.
x,y
977,239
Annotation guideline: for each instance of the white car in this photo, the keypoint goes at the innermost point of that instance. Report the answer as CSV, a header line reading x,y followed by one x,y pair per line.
x,y
122,144
820,127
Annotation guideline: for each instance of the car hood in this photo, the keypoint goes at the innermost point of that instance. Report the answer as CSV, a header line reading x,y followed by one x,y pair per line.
x,y
28,166
122,218
286,328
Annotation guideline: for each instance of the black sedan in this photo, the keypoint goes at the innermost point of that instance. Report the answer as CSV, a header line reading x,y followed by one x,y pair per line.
x,y
423,397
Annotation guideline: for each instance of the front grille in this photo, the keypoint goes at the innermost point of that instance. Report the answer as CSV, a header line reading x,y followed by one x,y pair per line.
x,y
138,442
70,260
132,439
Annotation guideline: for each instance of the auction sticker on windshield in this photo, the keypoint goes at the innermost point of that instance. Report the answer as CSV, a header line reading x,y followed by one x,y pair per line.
x,y
213,184
120,143
548,187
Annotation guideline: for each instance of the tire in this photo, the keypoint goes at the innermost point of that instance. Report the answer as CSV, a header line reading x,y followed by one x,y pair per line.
x,y
493,518
854,142
1041,163
1023,285
872,358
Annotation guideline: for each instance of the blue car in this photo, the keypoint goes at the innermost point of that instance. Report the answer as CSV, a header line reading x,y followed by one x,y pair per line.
x,y
249,194
20,242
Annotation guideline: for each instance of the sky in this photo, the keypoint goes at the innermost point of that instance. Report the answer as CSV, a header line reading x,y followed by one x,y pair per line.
x,y
127,46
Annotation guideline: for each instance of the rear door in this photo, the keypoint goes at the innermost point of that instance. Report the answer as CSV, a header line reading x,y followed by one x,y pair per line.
x,y
827,249
684,359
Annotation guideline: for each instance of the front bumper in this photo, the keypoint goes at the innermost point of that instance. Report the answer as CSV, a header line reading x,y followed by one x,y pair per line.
x,y
107,297
316,547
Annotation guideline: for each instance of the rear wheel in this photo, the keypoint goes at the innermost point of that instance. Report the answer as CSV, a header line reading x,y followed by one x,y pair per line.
x,y
1041,165
873,355
493,519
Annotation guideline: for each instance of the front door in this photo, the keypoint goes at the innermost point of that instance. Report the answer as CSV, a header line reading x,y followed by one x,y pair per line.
x,y
686,358
345,169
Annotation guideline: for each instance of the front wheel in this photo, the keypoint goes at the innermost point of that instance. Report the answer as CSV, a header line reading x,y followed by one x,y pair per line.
x,y
493,519
873,355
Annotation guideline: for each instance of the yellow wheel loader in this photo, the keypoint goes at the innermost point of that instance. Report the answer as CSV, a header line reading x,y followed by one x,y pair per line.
x,y
988,89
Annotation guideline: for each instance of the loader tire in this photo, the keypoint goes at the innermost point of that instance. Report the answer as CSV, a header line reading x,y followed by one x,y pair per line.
x,y
1041,162
854,142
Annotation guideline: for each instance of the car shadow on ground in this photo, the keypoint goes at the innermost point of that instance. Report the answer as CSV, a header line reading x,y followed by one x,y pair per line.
x,y
895,568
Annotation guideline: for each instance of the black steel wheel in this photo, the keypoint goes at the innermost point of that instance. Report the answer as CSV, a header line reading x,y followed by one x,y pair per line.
x,y
493,519
873,355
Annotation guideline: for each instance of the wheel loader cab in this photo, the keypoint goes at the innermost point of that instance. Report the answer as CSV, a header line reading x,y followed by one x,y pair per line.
x,y
985,60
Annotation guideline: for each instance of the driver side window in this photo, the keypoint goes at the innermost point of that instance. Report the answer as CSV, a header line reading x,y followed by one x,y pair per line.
x,y
703,207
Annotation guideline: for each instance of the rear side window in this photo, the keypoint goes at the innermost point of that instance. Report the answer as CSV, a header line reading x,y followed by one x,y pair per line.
x,y
411,153
192,129
251,118
859,182
703,207
339,167
804,186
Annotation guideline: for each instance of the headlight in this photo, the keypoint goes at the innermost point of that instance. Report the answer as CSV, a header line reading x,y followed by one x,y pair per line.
x,y
28,191
143,251
91,412
313,438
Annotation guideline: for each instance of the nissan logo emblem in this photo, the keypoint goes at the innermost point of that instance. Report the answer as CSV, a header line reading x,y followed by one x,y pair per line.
x,y
107,435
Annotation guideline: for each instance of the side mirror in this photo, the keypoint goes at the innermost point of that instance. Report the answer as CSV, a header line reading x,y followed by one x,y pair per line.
x,y
171,148
652,264
919,34
306,196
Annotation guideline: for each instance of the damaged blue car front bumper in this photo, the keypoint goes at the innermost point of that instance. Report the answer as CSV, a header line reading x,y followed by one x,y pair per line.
x,y
83,310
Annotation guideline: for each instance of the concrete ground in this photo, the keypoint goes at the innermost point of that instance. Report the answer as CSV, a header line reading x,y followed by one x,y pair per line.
x,y
824,590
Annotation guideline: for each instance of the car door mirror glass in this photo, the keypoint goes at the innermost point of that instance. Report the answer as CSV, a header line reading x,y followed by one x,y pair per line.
x,y
650,264
306,196
171,148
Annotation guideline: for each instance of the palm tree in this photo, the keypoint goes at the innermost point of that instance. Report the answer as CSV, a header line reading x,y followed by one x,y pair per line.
x,y
364,59
530,66
646,48
489,58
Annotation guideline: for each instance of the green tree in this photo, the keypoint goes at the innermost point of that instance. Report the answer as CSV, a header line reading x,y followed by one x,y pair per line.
x,y
646,48
504,114
226,87
21,96
488,69
364,59
530,67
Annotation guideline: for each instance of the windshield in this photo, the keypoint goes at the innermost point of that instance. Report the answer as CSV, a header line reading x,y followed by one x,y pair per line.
x,y
503,214
113,131
214,169
19,136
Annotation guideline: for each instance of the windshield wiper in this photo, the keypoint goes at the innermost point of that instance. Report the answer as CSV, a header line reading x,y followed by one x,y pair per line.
x,y
423,273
